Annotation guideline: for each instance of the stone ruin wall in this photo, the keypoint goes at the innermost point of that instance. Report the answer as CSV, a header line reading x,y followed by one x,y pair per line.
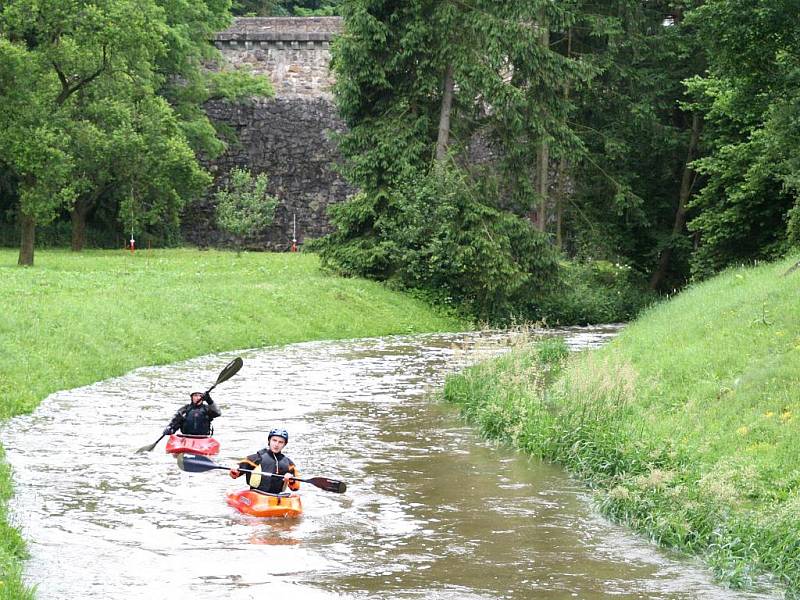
x,y
288,137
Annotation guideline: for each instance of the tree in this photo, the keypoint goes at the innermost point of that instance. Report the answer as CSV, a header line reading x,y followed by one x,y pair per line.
x,y
131,155
416,82
243,206
67,48
282,8
621,197
88,95
749,206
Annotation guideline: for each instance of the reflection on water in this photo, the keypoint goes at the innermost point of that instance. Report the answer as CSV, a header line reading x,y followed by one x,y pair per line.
x,y
431,510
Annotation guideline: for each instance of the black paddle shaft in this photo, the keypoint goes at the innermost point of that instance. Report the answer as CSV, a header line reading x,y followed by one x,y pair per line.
x,y
201,464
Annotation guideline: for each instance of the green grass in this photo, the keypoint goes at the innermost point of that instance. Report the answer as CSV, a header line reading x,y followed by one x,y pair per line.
x,y
74,319
687,424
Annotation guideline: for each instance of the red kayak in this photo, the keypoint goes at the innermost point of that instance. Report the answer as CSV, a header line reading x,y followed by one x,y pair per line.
x,y
192,444
256,504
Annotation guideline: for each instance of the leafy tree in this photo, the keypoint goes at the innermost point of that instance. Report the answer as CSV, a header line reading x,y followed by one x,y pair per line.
x,y
243,206
131,156
436,233
80,91
191,69
282,8
748,207
67,48
623,198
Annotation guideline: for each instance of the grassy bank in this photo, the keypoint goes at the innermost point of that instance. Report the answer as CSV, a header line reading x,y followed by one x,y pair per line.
x,y
686,425
75,319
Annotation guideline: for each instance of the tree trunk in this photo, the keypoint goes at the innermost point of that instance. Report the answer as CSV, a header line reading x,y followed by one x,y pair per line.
x,y
78,217
27,238
543,153
560,197
542,161
443,139
680,214
562,166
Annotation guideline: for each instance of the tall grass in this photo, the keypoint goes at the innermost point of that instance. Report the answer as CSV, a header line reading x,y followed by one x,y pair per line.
x,y
74,319
686,424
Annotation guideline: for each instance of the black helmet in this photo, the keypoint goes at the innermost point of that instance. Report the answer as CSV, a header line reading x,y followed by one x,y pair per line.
x,y
280,433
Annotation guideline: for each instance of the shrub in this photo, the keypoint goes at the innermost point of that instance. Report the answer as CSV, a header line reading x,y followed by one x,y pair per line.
x,y
595,292
243,207
436,233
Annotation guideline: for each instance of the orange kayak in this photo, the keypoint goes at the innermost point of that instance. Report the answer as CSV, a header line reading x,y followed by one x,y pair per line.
x,y
256,504
192,444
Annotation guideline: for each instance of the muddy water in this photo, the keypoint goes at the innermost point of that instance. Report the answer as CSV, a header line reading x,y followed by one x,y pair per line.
x,y
431,510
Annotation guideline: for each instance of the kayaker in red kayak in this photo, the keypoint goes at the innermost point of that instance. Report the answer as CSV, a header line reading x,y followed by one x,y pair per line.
x,y
270,460
195,418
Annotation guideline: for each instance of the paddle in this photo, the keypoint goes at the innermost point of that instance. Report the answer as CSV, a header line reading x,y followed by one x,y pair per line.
x,y
229,371
200,464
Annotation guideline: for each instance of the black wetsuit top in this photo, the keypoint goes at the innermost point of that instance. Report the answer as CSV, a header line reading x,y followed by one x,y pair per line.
x,y
195,419
265,462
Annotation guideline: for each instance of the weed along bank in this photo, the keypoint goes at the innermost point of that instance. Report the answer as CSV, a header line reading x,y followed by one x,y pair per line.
x,y
684,426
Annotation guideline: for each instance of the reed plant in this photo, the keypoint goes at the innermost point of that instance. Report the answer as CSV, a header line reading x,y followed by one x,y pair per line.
x,y
686,424
77,318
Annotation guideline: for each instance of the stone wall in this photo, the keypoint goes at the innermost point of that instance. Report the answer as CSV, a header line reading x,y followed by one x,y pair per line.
x,y
293,52
288,137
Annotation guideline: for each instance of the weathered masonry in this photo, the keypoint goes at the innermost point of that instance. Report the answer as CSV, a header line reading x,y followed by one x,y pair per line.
x,y
288,137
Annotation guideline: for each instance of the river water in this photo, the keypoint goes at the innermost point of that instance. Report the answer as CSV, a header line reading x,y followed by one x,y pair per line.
x,y
431,510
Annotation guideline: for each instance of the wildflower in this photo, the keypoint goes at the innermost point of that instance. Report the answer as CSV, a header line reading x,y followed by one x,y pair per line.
x,y
742,430
786,416
769,414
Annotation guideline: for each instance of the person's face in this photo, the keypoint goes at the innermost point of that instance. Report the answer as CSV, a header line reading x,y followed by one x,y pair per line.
x,y
197,398
276,443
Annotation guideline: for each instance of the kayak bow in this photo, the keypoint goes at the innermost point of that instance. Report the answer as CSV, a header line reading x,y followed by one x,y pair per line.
x,y
193,444
256,504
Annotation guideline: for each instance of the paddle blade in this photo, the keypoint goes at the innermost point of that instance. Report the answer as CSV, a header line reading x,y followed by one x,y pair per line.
x,y
231,369
329,485
196,464
149,447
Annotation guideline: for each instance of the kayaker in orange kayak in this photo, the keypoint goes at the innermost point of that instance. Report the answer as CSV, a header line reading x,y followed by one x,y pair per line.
x,y
270,460
195,418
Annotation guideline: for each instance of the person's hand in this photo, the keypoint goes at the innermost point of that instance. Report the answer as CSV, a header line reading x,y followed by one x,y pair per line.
x,y
234,473
168,430
207,398
288,477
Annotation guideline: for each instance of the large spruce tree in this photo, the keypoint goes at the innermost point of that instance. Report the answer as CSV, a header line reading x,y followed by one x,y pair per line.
x,y
418,84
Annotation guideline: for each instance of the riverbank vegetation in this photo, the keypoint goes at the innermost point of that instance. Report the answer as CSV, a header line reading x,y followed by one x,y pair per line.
x,y
490,142
685,425
80,318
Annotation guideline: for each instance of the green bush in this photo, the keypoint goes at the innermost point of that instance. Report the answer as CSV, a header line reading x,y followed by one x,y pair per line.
x,y
594,292
438,233
243,207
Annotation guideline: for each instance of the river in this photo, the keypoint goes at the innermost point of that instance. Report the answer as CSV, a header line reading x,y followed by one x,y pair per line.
x,y
431,510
